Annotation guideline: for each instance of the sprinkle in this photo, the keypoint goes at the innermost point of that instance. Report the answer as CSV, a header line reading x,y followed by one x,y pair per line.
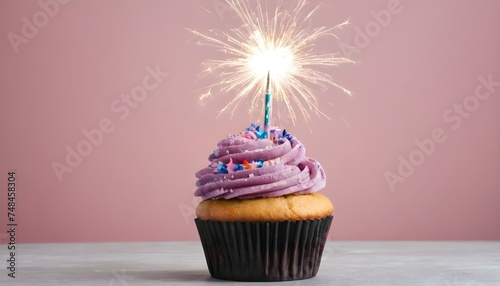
x,y
230,166
251,175
286,135
253,127
261,134
232,176
247,165
221,168
257,164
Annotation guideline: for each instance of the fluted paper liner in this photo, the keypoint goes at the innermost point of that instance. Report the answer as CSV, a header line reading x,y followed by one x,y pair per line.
x,y
263,251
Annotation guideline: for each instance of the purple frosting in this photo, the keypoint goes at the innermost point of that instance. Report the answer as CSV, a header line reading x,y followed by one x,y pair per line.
x,y
249,165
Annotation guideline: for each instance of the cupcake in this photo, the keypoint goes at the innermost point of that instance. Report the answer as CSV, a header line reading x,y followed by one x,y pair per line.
x,y
261,217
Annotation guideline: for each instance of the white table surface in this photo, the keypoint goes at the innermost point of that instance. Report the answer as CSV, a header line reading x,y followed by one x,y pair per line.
x,y
183,263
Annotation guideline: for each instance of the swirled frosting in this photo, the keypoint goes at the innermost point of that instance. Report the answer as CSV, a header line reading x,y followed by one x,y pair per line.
x,y
250,165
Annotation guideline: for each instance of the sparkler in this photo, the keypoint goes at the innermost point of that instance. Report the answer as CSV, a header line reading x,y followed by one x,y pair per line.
x,y
282,44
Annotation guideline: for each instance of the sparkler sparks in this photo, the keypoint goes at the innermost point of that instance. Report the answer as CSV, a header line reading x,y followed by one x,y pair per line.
x,y
283,44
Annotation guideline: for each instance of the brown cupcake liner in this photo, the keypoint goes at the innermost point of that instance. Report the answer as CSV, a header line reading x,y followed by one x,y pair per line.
x,y
263,251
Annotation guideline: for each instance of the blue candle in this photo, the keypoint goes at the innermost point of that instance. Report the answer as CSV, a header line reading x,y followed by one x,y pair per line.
x,y
267,104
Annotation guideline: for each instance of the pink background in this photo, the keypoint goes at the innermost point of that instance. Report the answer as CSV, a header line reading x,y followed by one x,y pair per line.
x,y
138,184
